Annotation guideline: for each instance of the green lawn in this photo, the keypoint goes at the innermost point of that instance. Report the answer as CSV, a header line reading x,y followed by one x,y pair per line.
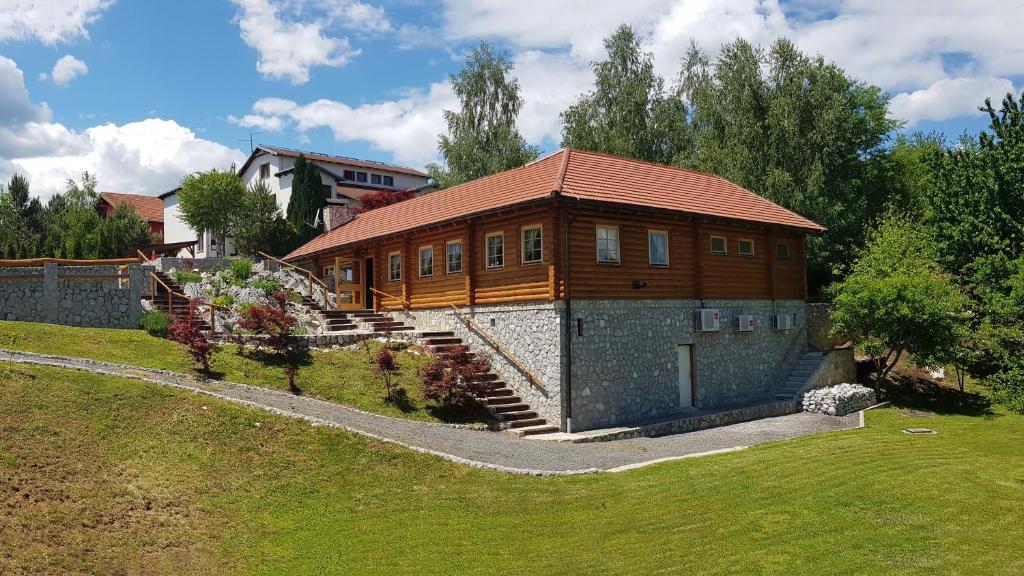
x,y
100,474
342,376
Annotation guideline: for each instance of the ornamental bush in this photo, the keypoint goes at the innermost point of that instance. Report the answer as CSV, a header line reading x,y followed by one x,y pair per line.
x,y
155,322
275,324
241,268
387,369
186,330
455,378
267,285
187,277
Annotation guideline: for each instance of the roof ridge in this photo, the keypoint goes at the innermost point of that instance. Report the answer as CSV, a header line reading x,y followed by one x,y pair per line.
x,y
560,179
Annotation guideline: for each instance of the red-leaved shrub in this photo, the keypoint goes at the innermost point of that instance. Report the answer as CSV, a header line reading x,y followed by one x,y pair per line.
x,y
275,324
455,378
187,330
387,369
383,198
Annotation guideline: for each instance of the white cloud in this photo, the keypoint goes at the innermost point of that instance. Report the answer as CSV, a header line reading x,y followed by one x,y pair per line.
x,y
549,83
948,98
49,21
355,15
267,123
67,69
289,49
144,157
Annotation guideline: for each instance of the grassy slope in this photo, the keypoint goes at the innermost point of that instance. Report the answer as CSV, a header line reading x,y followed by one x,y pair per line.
x,y
343,376
82,455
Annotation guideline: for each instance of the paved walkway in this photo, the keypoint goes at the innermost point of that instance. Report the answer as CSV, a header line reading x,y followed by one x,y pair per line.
x,y
474,447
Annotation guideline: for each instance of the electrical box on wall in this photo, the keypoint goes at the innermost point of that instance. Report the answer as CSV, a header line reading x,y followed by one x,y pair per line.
x,y
743,323
784,321
708,320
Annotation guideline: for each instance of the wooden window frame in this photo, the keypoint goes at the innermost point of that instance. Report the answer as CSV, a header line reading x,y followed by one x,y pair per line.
x,y
462,257
327,267
725,243
785,245
419,253
618,244
739,248
392,279
487,250
522,244
655,232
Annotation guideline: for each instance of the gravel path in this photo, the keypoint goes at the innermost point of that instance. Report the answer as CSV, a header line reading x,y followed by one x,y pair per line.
x,y
474,447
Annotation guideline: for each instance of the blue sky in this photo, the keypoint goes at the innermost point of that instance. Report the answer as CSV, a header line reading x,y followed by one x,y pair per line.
x,y
141,92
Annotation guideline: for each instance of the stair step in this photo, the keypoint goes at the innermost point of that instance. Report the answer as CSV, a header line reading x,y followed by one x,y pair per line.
x,y
517,416
442,340
526,422
534,430
506,403
499,392
434,334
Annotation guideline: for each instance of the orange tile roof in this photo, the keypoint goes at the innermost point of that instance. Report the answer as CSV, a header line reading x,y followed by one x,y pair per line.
x,y
587,176
150,208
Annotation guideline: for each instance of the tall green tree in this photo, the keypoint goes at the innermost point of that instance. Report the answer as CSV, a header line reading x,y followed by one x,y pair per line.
x,y
307,199
20,234
75,229
258,224
122,232
208,201
482,138
796,130
628,113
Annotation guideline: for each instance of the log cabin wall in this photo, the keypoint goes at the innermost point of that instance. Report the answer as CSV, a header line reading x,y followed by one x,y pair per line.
x,y
691,273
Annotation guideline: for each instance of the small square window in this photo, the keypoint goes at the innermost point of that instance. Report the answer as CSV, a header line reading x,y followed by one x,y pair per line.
x,y
394,267
495,250
454,257
657,247
360,176
349,174
389,180
782,251
608,244
426,261
746,247
375,179
718,245
533,244
328,191
264,171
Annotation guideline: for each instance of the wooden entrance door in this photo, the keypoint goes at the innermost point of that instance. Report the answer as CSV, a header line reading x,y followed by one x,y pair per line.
x,y
349,283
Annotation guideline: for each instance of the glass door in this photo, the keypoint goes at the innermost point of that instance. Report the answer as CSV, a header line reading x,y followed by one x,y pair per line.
x,y
349,284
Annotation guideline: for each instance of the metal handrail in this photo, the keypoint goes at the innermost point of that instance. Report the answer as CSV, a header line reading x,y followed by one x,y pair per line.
x,y
170,301
530,376
312,277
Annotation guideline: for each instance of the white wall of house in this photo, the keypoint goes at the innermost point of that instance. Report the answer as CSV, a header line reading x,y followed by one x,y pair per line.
x,y
175,230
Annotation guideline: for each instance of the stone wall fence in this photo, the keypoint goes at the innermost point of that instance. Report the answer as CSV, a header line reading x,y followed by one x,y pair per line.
x,y
90,293
819,325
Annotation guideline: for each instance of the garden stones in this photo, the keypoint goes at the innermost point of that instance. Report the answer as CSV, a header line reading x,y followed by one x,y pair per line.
x,y
839,400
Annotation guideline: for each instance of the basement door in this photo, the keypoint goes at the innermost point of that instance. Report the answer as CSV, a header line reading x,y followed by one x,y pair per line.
x,y
685,352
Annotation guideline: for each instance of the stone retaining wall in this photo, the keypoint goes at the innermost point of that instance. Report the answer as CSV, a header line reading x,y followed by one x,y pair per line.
x,y
838,366
819,325
165,263
55,298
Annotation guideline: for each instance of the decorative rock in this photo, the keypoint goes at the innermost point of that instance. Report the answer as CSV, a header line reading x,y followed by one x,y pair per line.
x,y
839,400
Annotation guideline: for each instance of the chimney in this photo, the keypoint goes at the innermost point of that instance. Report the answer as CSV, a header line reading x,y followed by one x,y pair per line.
x,y
335,216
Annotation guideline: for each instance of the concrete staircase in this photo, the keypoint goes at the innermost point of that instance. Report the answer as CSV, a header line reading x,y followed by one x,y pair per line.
x,y
516,416
803,370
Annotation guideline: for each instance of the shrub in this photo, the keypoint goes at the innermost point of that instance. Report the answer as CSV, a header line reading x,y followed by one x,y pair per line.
x,y
295,298
244,308
155,322
186,330
224,300
386,368
276,324
187,277
267,285
455,378
241,268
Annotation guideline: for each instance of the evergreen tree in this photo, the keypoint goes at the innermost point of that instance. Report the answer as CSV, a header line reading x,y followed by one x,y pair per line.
x,y
482,137
259,225
629,112
307,199
123,232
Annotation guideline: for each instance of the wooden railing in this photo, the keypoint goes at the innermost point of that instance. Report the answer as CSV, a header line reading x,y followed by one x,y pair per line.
x,y
142,255
170,301
309,275
37,262
405,303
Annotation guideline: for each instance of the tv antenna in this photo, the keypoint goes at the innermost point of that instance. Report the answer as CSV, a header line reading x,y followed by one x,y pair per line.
x,y
249,140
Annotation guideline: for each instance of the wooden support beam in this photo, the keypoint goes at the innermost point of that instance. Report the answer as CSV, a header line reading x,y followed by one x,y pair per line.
x,y
698,236
469,262
770,252
408,266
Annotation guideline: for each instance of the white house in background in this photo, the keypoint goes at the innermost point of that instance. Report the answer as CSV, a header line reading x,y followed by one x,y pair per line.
x,y
344,182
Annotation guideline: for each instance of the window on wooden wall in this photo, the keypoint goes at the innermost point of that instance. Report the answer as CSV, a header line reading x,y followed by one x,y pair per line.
x,y
328,276
454,257
495,250
608,244
719,245
395,267
533,244
782,251
426,261
746,247
657,247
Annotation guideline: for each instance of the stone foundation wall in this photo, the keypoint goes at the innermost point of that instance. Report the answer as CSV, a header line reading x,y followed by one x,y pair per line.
x,y
626,367
838,367
57,299
531,331
818,327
